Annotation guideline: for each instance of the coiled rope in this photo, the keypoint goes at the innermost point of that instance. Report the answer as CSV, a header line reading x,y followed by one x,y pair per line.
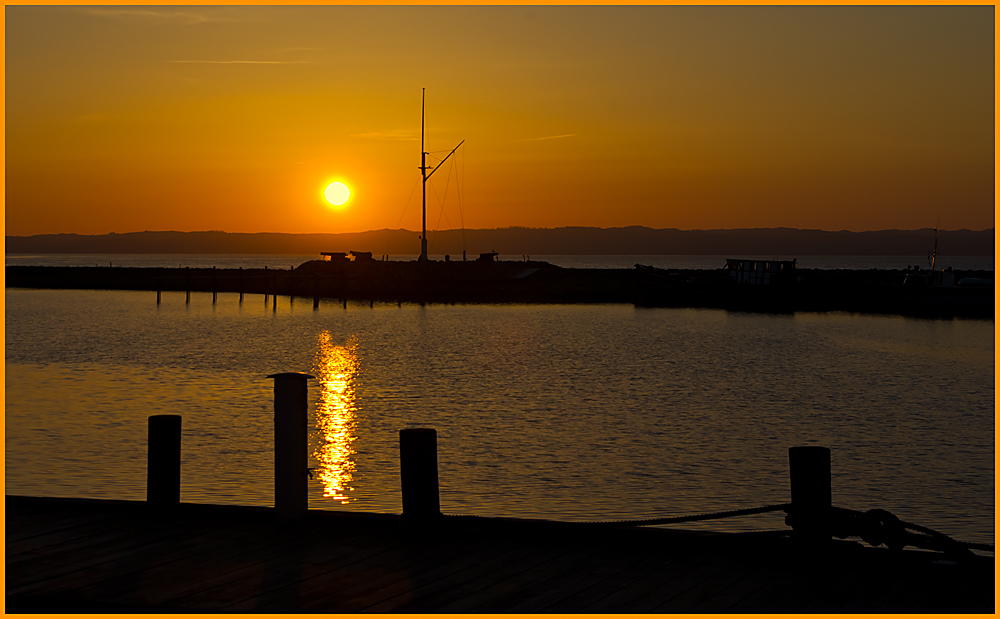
x,y
875,527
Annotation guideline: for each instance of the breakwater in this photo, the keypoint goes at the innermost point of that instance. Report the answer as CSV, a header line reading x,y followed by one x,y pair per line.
x,y
889,291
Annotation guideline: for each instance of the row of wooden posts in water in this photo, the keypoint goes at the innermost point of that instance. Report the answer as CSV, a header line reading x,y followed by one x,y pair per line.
x,y
810,472
268,295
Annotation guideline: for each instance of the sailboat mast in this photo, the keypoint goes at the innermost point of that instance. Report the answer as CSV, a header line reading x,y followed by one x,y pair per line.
x,y
934,255
423,171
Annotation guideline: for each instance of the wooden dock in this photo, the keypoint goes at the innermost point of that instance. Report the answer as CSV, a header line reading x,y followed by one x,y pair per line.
x,y
80,555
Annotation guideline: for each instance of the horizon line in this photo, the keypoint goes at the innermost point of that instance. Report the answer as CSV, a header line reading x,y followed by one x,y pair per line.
x,y
494,229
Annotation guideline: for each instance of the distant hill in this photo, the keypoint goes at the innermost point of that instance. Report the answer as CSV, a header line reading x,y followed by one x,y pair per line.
x,y
632,240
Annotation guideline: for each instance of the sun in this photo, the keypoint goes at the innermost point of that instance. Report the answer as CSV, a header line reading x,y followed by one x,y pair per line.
x,y
337,193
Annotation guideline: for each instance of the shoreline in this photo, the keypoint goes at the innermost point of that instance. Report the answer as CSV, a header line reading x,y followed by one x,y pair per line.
x,y
880,291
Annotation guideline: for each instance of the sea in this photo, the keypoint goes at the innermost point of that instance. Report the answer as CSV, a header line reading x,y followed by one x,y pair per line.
x,y
565,412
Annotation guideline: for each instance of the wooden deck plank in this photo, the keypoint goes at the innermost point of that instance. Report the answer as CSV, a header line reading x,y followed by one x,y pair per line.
x,y
426,585
168,583
431,560
94,556
465,586
22,527
708,585
550,582
57,564
36,535
609,586
501,593
251,571
659,587
309,579
761,579
820,578
109,565
591,578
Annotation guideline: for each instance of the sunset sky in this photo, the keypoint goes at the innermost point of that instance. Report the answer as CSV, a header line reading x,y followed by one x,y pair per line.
x,y
122,119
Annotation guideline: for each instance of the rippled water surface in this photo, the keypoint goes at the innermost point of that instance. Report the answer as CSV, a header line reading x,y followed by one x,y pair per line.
x,y
563,412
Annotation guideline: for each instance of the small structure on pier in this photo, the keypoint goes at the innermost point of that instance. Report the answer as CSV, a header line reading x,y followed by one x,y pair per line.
x,y
490,256
761,272
333,256
361,256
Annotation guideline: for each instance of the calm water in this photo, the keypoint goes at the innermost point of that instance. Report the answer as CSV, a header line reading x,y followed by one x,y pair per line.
x,y
563,412
287,261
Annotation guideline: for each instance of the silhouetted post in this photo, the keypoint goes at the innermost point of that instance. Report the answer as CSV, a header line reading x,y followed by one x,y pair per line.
x,y
291,449
239,283
159,284
163,461
187,283
315,291
418,474
812,494
215,288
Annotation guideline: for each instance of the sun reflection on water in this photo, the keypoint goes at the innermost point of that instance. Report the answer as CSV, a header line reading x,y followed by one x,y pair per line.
x,y
336,416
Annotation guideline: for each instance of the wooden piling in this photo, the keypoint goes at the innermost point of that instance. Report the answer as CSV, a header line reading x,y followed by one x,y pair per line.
x,y
812,494
239,281
215,287
291,466
187,284
315,291
418,474
163,461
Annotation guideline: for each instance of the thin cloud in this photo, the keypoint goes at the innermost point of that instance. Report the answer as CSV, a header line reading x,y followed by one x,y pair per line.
x,y
184,17
302,49
387,135
548,137
242,61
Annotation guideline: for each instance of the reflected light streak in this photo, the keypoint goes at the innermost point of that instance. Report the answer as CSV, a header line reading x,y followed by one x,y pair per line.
x,y
336,416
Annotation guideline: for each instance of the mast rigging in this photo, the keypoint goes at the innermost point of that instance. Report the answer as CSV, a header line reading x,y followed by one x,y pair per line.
x,y
423,171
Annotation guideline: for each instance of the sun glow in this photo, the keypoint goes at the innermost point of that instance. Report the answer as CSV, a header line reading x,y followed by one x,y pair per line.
x,y
337,193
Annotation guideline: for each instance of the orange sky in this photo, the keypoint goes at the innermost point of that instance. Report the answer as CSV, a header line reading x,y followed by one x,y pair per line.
x,y
121,119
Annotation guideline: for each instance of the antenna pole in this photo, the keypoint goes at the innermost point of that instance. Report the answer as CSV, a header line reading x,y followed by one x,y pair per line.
x,y
423,172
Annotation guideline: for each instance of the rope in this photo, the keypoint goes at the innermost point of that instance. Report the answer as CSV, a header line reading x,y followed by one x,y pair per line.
x,y
671,520
875,527
879,526
442,201
458,191
698,517
405,206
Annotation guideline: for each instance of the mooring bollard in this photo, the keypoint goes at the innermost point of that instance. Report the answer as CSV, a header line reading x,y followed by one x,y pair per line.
x,y
163,461
418,475
812,494
291,448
